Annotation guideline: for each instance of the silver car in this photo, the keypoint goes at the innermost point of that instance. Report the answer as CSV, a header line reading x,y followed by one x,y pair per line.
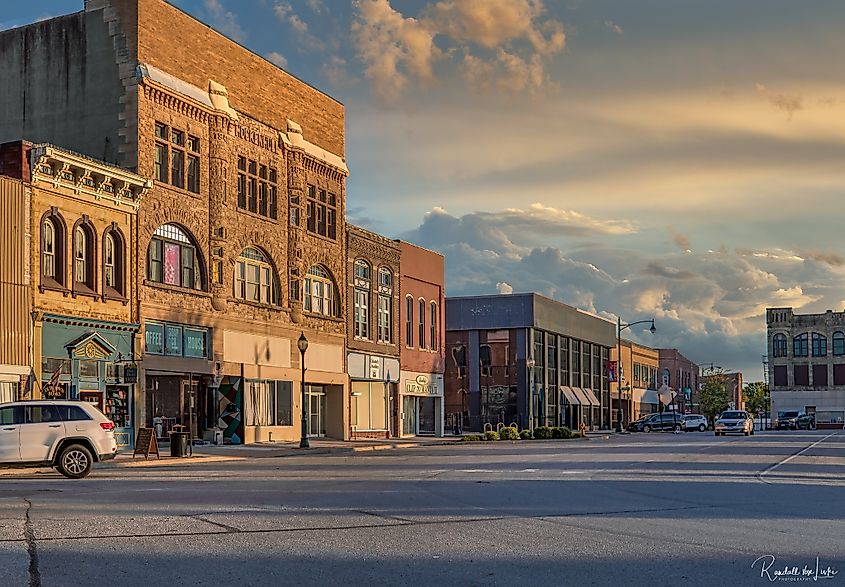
x,y
734,421
695,422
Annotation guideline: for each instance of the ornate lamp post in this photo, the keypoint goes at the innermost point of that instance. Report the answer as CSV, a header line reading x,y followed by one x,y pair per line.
x,y
619,328
530,364
302,344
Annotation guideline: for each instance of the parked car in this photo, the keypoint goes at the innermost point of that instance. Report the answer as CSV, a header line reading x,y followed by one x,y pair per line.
x,y
695,422
805,422
664,421
67,435
734,421
788,420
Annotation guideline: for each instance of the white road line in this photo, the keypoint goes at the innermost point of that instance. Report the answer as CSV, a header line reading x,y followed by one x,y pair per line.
x,y
787,459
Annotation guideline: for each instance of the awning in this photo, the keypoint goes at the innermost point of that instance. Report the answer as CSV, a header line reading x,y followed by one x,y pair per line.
x,y
649,397
569,395
591,397
583,397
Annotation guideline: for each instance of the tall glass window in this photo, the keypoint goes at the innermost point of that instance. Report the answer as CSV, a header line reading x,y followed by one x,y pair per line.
x,y
172,258
838,343
409,321
800,345
819,345
779,345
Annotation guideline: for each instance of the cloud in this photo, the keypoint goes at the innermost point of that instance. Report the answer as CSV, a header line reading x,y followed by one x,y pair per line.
x,y
505,44
504,288
335,69
277,58
682,241
614,27
788,104
224,20
284,12
316,6
833,259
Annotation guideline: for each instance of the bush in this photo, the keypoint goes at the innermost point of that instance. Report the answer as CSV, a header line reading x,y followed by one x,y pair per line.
x,y
575,435
472,438
491,435
508,433
526,435
542,433
565,432
557,433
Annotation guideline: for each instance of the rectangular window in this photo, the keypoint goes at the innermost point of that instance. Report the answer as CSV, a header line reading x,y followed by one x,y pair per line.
x,y
257,188
433,326
173,340
251,195
385,326
801,374
193,174
177,168
271,201
576,363
362,318
241,190
172,263
262,198
820,375
409,322
331,220
421,318
564,360
161,163
195,344
154,338
188,271
321,212
253,283
780,375
838,374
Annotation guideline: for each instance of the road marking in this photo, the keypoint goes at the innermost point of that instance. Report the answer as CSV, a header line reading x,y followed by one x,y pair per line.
x,y
761,475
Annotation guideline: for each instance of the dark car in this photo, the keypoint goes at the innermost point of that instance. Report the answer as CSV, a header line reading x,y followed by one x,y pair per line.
x,y
805,422
788,420
664,421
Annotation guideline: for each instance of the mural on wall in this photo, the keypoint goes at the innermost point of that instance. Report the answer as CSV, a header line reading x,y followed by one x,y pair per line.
x,y
230,410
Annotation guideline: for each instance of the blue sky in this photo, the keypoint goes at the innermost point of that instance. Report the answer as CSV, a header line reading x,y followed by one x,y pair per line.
x,y
666,158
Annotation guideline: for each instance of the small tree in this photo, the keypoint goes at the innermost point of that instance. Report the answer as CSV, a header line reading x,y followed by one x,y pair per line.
x,y
756,397
714,395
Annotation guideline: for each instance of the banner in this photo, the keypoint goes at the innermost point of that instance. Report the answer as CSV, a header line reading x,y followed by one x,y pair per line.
x,y
611,371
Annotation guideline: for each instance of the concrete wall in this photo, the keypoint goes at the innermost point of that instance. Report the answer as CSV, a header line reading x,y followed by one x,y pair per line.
x,y
61,85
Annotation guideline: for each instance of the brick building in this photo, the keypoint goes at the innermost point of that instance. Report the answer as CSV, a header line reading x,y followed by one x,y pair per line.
x,y
85,331
681,376
640,365
240,244
421,353
372,333
806,355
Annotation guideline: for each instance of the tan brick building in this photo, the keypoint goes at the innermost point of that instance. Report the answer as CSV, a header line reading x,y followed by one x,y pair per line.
x,y
373,333
640,366
240,244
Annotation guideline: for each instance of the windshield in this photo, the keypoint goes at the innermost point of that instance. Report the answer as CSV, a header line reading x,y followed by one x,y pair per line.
x,y
733,415
787,414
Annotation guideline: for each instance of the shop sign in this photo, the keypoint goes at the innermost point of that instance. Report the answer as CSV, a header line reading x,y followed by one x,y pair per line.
x,y
422,385
155,338
173,340
130,373
53,391
375,368
195,342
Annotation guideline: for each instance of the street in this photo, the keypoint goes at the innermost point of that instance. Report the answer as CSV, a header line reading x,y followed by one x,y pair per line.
x,y
638,509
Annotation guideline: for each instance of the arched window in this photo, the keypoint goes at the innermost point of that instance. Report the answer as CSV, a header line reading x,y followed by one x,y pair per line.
x,y
172,258
433,335
819,345
83,256
385,305
320,293
53,235
362,299
800,345
409,321
255,278
113,262
838,343
421,322
779,345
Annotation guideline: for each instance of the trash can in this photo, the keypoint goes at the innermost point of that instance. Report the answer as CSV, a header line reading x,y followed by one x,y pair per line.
x,y
218,437
179,444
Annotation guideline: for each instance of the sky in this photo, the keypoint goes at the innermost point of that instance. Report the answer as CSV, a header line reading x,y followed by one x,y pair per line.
x,y
674,159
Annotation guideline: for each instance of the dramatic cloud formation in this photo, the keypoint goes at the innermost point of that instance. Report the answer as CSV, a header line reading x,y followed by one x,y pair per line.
x,y
225,20
505,44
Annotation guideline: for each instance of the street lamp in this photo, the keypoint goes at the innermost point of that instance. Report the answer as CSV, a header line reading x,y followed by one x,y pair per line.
x,y
619,328
530,364
302,344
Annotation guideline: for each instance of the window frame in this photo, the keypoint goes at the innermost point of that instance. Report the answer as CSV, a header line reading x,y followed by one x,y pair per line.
x,y
59,255
329,298
267,285
432,307
780,345
800,345
409,321
838,341
175,151
118,266
185,247
257,188
421,326
88,282
321,212
819,345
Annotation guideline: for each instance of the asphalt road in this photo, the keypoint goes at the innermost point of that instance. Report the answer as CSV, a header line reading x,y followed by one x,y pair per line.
x,y
656,509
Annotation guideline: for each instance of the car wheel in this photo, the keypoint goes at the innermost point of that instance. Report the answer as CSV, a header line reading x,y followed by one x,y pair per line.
x,y
677,428
702,427
646,428
75,461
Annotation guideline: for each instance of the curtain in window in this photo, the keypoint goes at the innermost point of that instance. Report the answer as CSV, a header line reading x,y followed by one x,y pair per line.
x,y
260,412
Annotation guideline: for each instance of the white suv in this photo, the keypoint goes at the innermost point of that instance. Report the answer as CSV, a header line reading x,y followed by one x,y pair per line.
x,y
67,435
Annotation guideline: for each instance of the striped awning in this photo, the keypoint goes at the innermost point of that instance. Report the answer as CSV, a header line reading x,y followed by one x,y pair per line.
x,y
569,395
589,396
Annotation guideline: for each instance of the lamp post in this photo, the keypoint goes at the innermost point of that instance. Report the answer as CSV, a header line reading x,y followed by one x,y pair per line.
x,y
619,328
302,344
530,364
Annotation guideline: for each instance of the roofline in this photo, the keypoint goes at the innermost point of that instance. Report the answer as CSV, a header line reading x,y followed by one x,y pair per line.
x,y
403,241
189,15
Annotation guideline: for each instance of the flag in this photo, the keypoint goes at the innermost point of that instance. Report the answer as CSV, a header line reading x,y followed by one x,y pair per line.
x,y
54,380
611,371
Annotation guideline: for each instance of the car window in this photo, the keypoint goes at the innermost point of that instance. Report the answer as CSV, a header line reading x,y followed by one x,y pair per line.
x,y
73,413
7,415
39,414
734,415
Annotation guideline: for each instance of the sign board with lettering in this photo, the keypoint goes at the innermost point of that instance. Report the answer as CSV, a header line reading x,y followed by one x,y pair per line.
x,y
422,384
146,443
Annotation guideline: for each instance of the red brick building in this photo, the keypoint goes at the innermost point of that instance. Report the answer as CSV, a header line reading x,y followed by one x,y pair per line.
x,y
421,349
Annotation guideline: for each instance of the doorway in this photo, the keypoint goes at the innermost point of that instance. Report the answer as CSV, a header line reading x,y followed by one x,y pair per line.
x,y
410,415
316,395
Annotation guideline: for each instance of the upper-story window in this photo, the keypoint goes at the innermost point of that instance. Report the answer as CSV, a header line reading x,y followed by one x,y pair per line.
x,y
433,326
819,345
255,278
838,343
321,212
257,188
53,250
385,305
362,299
84,255
113,262
177,160
779,345
800,346
421,322
409,321
172,258
320,293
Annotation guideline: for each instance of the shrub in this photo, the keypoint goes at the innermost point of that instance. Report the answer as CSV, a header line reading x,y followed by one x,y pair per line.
x,y
575,435
472,438
557,433
526,435
491,435
508,433
565,432
542,433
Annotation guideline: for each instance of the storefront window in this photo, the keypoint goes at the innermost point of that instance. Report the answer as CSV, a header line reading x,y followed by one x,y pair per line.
x,y
117,406
176,340
369,405
89,369
155,338
195,343
173,340
269,403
